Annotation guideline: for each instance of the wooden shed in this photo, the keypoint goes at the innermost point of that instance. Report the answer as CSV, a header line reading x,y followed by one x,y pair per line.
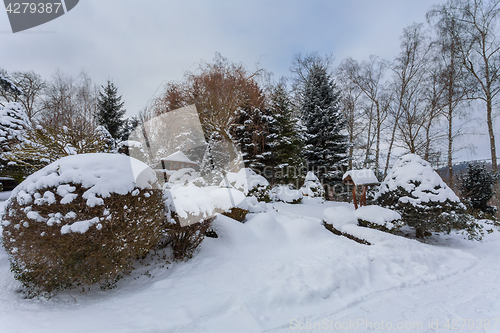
x,y
363,178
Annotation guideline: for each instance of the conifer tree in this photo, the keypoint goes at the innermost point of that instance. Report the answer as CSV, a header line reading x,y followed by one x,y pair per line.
x,y
285,139
476,187
326,145
252,135
13,122
110,110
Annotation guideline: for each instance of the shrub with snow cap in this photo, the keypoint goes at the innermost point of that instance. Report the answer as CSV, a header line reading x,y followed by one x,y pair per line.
x,y
82,220
425,202
379,218
312,186
249,182
287,194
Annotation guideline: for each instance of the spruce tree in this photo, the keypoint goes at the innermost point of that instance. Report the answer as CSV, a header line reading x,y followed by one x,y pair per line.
x,y
285,139
326,145
252,135
110,110
476,187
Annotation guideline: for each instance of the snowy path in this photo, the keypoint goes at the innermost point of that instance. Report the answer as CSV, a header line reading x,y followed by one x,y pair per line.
x,y
473,294
462,302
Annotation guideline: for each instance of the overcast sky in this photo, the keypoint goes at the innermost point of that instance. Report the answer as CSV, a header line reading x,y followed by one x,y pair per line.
x,y
141,44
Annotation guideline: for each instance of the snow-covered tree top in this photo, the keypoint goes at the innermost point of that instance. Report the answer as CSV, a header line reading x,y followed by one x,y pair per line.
x,y
101,174
311,177
361,177
417,177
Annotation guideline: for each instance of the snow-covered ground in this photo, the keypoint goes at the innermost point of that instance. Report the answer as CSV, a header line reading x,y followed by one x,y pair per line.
x,y
282,271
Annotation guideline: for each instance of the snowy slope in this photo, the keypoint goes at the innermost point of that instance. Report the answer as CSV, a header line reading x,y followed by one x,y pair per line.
x,y
278,267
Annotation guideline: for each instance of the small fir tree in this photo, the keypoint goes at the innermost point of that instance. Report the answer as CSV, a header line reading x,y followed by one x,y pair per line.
x,y
476,187
110,110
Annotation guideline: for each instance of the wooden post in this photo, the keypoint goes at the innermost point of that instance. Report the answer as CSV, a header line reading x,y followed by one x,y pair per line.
x,y
363,197
354,199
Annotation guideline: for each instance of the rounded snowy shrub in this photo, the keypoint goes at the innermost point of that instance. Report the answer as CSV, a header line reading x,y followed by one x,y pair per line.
x,y
379,218
312,186
424,201
286,193
81,221
249,182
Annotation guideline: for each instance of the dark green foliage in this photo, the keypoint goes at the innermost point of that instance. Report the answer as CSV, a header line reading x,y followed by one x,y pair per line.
x,y
368,224
261,192
285,139
326,146
252,135
129,125
110,110
46,261
476,187
427,216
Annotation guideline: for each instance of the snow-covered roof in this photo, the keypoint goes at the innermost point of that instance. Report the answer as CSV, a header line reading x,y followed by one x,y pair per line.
x,y
361,177
130,143
178,157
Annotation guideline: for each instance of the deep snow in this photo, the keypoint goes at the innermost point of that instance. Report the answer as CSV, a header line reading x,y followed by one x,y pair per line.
x,y
278,271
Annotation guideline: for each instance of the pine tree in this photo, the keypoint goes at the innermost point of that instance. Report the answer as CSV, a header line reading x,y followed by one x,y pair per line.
x,y
110,110
476,187
326,145
251,133
284,138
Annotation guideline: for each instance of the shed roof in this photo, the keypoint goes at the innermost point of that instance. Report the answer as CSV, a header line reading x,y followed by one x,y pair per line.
x,y
360,177
178,157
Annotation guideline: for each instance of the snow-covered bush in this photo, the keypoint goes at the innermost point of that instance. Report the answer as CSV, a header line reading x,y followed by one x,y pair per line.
x,y
476,188
425,202
337,219
133,149
376,217
80,221
184,240
185,176
249,182
312,186
286,193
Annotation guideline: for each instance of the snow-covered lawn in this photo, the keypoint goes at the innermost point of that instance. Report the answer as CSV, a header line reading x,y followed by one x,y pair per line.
x,y
281,271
